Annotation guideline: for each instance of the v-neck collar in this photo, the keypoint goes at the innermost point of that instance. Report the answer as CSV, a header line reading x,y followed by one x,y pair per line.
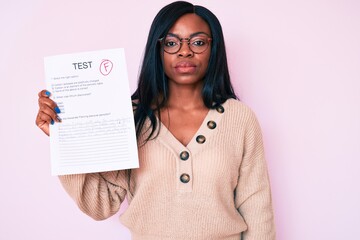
x,y
203,133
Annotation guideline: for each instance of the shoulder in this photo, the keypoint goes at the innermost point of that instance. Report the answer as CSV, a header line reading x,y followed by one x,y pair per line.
x,y
242,117
238,109
239,115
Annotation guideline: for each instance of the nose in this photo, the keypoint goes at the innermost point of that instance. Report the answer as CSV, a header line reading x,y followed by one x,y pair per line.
x,y
185,50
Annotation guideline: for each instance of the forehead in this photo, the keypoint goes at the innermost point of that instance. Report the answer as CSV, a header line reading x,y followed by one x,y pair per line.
x,y
189,24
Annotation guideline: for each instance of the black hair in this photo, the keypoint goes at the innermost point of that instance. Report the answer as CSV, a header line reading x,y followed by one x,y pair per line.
x,y
152,91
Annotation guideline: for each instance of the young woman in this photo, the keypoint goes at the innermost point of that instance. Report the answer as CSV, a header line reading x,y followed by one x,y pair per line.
x,y
202,170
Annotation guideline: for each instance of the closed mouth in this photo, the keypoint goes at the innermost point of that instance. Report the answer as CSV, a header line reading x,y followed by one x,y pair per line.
x,y
185,65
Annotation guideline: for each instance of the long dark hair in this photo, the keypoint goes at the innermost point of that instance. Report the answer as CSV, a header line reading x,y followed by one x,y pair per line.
x,y
152,91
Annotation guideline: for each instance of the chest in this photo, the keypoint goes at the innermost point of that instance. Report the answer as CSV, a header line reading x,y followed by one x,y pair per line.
x,y
183,124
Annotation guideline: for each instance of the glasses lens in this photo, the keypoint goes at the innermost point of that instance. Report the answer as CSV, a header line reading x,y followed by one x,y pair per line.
x,y
171,44
199,43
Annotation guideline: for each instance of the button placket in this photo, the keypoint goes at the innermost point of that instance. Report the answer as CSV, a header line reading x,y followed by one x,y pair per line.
x,y
185,178
220,109
184,171
211,124
184,155
200,139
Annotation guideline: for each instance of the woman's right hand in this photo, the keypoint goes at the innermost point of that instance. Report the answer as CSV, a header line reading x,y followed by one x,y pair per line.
x,y
47,113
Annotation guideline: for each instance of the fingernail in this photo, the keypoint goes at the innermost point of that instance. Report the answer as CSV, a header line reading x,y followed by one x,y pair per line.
x,y
52,122
57,110
47,93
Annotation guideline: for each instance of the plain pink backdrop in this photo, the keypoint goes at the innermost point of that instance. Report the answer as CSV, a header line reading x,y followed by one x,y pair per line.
x,y
295,63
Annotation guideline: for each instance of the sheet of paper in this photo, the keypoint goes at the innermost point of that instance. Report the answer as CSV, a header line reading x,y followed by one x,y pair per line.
x,y
97,132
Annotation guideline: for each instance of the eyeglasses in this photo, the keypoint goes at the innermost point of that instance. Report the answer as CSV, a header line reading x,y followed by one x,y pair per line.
x,y
198,43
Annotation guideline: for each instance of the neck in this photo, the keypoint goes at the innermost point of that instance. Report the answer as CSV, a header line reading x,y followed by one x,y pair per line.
x,y
185,96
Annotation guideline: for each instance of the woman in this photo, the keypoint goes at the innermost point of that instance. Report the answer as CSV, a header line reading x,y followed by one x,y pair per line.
x,y
202,171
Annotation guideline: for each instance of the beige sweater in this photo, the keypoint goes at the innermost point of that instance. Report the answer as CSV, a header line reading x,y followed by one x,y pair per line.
x,y
216,187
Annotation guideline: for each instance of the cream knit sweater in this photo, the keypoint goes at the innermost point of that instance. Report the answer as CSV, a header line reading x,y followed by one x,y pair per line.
x,y
216,187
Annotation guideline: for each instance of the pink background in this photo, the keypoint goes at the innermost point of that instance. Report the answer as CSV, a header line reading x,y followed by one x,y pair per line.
x,y
295,63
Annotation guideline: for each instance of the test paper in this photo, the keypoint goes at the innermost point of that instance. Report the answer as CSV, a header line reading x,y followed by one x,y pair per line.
x,y
97,132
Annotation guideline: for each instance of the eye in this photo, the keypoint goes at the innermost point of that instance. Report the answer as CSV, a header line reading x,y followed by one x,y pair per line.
x,y
171,42
198,42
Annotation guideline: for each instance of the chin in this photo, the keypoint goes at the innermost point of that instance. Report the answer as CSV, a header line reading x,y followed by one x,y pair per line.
x,y
187,81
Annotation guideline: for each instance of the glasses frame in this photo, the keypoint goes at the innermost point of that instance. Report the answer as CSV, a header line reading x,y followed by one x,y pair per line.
x,y
162,42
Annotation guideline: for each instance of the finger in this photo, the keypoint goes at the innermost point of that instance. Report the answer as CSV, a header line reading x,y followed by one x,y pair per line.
x,y
44,93
42,123
43,118
49,102
46,100
49,111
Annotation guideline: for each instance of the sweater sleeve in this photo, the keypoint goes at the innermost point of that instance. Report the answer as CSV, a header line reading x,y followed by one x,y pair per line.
x,y
252,194
99,195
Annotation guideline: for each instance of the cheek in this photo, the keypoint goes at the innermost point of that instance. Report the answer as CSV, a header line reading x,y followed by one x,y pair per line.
x,y
206,62
167,64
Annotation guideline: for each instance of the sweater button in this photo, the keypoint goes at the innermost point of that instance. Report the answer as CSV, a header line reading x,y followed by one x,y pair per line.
x,y
185,178
211,124
184,155
200,139
220,109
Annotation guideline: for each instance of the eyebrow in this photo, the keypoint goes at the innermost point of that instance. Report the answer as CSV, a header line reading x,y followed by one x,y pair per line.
x,y
191,35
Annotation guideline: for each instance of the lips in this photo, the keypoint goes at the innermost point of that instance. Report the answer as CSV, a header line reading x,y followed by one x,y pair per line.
x,y
184,64
185,67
